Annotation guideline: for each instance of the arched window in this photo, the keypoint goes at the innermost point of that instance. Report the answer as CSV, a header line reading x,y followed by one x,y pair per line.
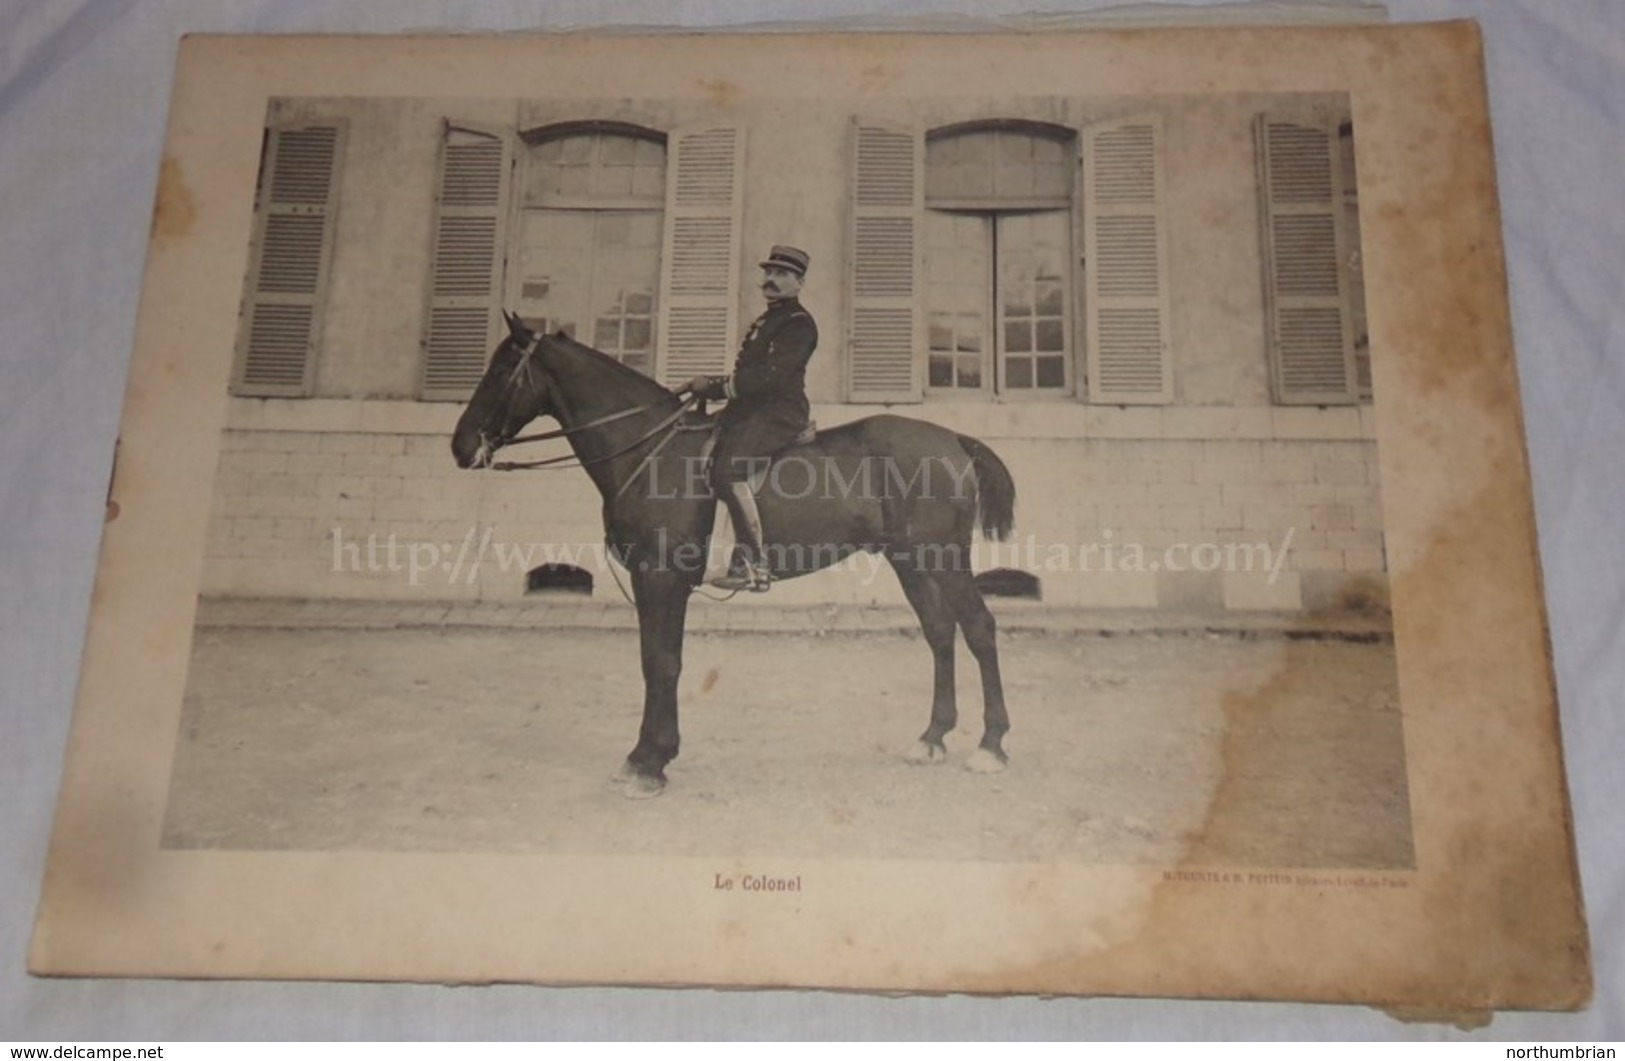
x,y
588,249
1009,582
621,236
999,250
559,578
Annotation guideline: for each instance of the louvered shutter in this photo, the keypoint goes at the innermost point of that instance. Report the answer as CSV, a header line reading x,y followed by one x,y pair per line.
x,y
884,340
470,224
288,283
699,278
1301,191
1126,264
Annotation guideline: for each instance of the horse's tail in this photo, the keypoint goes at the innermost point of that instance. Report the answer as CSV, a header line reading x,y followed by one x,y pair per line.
x,y
995,490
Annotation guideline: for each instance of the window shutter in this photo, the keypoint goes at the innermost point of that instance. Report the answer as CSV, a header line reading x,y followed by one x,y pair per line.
x,y
699,296
294,241
884,340
465,278
1301,191
1126,264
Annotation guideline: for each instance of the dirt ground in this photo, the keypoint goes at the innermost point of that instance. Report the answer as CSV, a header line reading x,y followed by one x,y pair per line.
x,y
1197,748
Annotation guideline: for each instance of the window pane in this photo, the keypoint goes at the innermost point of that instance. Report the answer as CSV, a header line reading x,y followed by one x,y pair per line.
x,y
1018,373
649,183
643,230
617,150
1050,300
970,333
986,167
1048,150
1051,372
602,165
958,296
1052,181
576,150
1018,301
575,181
614,182
650,153
613,230
1050,336
1013,180
578,266
975,147
1018,337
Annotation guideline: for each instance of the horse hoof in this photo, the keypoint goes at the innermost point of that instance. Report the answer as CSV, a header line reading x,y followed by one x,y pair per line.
x,y
924,753
623,773
982,761
641,787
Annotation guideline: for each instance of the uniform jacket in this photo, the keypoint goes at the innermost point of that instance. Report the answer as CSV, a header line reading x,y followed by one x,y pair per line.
x,y
769,380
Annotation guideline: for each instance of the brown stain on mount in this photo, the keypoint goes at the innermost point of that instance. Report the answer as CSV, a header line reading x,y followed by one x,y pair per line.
x,y
722,92
877,77
175,209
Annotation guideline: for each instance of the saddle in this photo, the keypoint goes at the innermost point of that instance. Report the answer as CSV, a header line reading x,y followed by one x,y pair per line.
x,y
710,425
720,545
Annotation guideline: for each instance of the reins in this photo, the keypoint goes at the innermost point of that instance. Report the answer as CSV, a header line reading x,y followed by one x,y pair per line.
x,y
557,463
668,428
569,460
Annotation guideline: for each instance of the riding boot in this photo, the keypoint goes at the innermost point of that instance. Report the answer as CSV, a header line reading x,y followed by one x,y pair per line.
x,y
749,568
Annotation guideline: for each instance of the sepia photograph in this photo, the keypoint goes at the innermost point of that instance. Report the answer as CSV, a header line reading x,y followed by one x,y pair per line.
x,y
773,519
1122,340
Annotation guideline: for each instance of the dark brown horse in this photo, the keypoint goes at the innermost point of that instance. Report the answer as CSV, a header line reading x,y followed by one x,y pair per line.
x,y
905,488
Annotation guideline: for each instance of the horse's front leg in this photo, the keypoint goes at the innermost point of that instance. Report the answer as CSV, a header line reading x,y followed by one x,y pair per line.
x,y
662,600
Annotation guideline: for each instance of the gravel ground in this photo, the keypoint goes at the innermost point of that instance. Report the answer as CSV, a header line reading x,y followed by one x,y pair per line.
x,y
1194,748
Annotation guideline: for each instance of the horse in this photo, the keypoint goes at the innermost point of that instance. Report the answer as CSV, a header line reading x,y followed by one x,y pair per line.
x,y
911,490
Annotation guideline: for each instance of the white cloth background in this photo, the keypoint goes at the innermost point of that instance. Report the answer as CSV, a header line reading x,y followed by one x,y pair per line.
x,y
83,96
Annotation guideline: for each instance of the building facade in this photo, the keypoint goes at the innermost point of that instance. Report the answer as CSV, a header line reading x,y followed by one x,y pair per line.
x,y
1150,307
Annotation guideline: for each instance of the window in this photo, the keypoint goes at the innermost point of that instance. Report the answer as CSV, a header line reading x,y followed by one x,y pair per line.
x,y
623,237
982,265
588,250
1314,289
292,244
998,243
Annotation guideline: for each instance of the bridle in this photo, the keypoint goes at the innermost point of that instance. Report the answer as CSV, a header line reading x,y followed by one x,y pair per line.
x,y
525,370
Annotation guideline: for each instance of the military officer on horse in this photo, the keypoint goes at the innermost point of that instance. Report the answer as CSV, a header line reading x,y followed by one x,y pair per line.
x,y
767,408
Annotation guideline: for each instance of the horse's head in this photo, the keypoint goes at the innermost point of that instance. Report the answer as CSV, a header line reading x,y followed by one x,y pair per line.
x,y
513,392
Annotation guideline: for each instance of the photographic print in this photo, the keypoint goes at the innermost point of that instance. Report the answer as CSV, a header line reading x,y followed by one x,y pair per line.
x,y
771,494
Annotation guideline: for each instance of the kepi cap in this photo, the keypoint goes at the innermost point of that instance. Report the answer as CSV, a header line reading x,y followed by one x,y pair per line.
x,y
792,258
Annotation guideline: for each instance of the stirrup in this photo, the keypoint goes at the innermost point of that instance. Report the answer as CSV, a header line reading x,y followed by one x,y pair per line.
x,y
753,576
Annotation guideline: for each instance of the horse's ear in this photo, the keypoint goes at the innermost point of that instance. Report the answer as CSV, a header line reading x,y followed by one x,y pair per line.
x,y
516,327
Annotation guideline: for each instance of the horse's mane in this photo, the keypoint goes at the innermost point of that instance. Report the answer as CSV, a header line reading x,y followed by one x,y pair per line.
x,y
630,377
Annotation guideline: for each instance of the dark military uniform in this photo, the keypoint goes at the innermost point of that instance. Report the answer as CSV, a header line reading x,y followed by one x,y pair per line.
x,y
767,393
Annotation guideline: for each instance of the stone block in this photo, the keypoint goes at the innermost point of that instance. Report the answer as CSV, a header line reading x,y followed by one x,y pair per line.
x,y
1257,591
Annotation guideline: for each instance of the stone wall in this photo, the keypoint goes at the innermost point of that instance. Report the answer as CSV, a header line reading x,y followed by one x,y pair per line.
x,y
1196,509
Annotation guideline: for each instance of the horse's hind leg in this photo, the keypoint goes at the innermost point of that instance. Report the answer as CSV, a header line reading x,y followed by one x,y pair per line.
x,y
937,624
981,634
